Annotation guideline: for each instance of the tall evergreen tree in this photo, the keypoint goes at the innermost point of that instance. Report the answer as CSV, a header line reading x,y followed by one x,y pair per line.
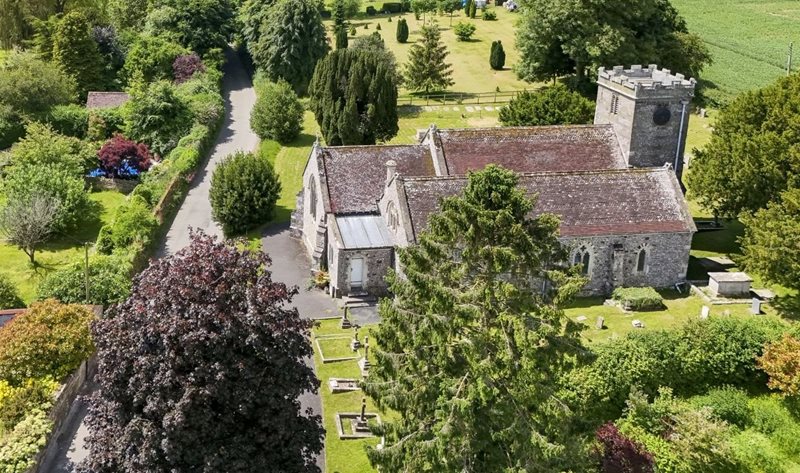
x,y
476,316
340,24
354,96
76,52
426,68
402,30
292,40
252,16
497,57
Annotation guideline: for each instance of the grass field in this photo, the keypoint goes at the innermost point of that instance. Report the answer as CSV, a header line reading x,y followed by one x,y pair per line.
x,y
55,254
470,59
748,39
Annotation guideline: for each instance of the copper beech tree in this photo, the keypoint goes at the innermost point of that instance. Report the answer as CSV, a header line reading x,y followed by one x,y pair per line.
x,y
200,370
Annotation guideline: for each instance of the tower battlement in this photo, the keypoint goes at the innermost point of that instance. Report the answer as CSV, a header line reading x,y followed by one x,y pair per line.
x,y
643,81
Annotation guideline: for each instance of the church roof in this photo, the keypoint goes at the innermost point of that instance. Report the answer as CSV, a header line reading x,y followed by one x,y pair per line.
x,y
531,149
590,203
356,175
106,99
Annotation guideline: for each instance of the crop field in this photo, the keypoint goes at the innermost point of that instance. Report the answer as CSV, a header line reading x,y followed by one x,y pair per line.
x,y
749,41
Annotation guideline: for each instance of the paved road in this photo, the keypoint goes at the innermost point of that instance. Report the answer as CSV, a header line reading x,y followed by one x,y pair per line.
x,y
289,265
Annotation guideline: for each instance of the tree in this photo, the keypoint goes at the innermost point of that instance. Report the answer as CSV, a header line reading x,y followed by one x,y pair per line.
x,y
252,15
109,282
472,9
751,158
150,58
426,68
619,454
122,158
781,361
497,56
199,25
559,37
28,223
48,340
292,41
464,30
554,105
75,52
9,295
31,86
111,50
217,357
42,146
186,66
23,182
354,97
339,24
157,116
423,7
467,7
128,14
489,344
402,30
770,240
277,114
244,189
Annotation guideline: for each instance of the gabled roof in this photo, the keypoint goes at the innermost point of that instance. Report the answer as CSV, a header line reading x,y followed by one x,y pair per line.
x,y
356,175
364,231
590,203
531,149
106,99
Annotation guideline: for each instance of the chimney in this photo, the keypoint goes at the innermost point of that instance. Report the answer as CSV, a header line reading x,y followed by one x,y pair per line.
x,y
391,170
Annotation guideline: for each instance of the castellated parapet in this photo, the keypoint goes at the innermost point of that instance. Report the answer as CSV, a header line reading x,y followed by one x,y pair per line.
x,y
646,82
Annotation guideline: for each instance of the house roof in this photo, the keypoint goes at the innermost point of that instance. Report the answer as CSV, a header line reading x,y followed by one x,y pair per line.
x,y
106,99
364,231
531,149
7,315
356,175
590,203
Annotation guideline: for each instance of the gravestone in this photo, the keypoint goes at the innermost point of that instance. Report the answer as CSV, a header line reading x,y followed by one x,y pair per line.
x,y
600,323
704,312
344,323
355,343
637,323
359,424
363,363
755,308
581,318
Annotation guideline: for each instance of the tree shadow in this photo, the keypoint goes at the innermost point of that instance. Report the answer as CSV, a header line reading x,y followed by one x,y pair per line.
x,y
725,241
787,307
86,230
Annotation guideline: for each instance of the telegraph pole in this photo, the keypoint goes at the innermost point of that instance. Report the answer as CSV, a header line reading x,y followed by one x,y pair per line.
x,y
789,59
86,268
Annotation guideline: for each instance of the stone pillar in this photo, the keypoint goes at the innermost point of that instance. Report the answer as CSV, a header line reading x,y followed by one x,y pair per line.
x,y
618,266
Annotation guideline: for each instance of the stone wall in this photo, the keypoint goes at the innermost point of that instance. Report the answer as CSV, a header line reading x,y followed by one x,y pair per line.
x,y
377,262
313,215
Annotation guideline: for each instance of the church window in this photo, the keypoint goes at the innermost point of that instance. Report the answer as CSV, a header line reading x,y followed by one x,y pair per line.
x,y
394,219
614,104
583,257
312,186
641,260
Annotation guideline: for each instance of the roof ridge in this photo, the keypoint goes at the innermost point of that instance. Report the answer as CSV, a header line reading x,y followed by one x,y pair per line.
x,y
530,127
383,145
646,170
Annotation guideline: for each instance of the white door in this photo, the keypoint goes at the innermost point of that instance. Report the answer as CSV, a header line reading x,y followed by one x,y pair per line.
x,y
356,273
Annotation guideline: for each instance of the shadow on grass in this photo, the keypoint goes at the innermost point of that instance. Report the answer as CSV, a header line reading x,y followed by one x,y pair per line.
x,y
720,241
86,230
787,307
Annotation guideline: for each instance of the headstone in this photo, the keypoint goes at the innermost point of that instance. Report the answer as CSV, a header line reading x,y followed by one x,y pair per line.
x,y
363,363
704,312
355,343
581,318
703,112
637,323
360,423
344,323
600,323
755,309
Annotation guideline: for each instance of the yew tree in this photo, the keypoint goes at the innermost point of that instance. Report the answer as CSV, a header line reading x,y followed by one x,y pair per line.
x,y
426,69
474,341
201,369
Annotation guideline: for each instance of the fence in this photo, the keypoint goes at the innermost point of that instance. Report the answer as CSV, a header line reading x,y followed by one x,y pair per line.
x,y
457,98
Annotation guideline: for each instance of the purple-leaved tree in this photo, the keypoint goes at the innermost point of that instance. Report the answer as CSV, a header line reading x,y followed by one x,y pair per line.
x,y
200,370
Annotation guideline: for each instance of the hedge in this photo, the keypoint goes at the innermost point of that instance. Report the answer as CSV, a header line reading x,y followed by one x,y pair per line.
x,y
392,7
19,448
638,298
70,120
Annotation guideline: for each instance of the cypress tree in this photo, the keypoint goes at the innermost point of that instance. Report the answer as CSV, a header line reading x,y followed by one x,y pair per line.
x,y
472,9
467,7
341,38
426,68
76,53
402,31
339,24
497,58
354,95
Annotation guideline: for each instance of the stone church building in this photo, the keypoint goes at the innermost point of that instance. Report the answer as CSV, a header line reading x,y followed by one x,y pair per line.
x,y
615,184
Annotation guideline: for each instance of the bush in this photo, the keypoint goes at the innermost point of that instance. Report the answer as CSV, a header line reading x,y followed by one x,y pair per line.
x,y
201,94
727,403
402,30
244,189
43,146
158,117
109,282
31,86
186,66
756,453
371,11
392,7
18,449
133,223
378,27
49,339
638,298
463,30
11,128
554,105
277,113
352,31
70,120
779,361
769,414
16,402
104,123
9,295
150,58
122,158
489,15
497,56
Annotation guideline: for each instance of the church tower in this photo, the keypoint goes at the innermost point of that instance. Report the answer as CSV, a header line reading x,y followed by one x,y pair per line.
x,y
649,110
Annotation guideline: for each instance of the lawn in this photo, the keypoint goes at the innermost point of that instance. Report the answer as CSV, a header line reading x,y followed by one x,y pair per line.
x,y
63,250
748,39
470,59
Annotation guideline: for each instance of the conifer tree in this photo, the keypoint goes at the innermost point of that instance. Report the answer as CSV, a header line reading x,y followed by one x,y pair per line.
x,y
339,24
476,316
341,38
467,7
426,68
497,58
76,53
472,9
354,95
402,30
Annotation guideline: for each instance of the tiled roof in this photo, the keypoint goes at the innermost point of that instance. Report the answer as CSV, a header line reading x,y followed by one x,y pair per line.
x,y
612,202
106,99
7,315
532,149
356,175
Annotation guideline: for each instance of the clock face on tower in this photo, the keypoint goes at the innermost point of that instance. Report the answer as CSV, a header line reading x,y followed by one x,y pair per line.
x,y
662,115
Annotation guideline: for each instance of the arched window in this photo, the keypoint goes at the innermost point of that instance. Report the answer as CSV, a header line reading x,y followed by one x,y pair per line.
x,y
312,196
641,260
392,216
583,257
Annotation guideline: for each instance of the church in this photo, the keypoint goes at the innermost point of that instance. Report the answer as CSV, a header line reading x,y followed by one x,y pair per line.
x,y
615,185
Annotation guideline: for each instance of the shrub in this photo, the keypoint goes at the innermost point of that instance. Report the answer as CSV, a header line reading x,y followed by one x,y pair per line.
x,y
497,56
104,123
185,66
277,113
371,11
352,31
787,438
756,453
402,30
158,117
489,15
109,282
150,58
133,223
392,7
71,120
463,30
618,453
122,158
554,105
11,128
244,189
43,146
9,295
31,86
780,362
727,403
18,449
16,402
49,339
201,95
769,414
378,27
638,298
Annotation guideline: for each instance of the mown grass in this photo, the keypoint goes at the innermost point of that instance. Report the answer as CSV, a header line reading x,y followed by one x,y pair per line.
x,y
62,250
